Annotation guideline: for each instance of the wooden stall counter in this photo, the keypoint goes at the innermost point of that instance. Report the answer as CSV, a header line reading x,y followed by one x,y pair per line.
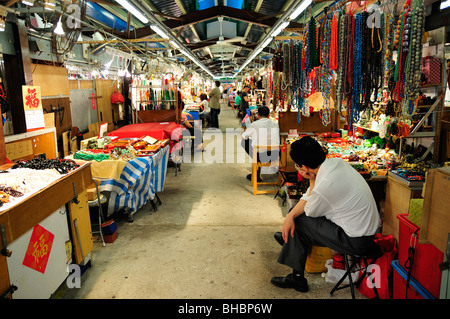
x,y
18,219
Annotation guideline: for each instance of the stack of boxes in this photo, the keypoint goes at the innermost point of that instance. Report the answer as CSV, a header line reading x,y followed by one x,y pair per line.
x,y
418,263
109,230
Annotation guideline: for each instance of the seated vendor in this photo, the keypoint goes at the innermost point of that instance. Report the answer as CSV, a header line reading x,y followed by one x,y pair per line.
x,y
337,211
188,123
205,111
264,132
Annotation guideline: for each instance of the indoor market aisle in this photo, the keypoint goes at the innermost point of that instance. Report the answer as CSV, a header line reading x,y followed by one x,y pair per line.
x,y
210,238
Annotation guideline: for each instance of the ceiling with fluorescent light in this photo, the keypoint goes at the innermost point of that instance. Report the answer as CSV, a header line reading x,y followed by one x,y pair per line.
x,y
220,34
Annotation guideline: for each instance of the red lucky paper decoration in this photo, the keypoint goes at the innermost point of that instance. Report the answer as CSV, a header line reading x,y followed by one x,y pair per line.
x,y
39,249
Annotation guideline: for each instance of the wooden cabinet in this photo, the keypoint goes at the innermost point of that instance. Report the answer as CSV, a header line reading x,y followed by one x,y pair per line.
x,y
435,227
398,196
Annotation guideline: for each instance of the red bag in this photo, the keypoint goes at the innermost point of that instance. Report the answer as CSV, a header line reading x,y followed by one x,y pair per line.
x,y
381,270
116,97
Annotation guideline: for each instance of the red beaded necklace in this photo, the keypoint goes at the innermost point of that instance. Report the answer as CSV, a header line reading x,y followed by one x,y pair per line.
x,y
334,44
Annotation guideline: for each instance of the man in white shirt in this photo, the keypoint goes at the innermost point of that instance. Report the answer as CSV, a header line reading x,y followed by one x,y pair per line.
x,y
337,211
263,132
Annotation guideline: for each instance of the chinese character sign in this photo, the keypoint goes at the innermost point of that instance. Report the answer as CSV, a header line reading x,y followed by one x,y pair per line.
x,y
31,97
32,104
39,249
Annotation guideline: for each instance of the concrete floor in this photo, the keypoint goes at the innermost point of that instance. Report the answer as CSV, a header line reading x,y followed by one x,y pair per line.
x,y
210,238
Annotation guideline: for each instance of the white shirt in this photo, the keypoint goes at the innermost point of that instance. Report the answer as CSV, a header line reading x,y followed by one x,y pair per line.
x,y
342,195
206,108
263,132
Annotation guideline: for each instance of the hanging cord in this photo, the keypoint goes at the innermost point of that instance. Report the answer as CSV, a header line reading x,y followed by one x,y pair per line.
x,y
410,260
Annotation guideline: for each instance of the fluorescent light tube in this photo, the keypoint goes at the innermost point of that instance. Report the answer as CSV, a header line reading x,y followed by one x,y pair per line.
x,y
268,40
132,10
28,2
159,31
305,4
280,28
444,4
174,44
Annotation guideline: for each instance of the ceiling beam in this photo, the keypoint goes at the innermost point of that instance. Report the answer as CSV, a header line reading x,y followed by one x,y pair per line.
x,y
195,17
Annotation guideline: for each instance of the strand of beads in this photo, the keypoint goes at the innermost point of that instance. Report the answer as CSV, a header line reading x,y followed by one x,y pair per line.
x,y
312,44
414,60
325,76
334,57
340,72
356,90
389,44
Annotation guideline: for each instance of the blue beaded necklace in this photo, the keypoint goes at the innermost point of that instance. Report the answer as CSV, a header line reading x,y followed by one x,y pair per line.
x,y
356,90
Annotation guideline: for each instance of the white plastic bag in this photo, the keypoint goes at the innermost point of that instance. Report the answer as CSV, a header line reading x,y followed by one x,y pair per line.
x,y
334,275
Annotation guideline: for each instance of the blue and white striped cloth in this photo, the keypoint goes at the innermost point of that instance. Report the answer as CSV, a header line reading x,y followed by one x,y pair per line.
x,y
139,181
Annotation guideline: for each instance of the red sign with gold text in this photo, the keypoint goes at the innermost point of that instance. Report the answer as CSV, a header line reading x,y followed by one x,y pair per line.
x,y
39,249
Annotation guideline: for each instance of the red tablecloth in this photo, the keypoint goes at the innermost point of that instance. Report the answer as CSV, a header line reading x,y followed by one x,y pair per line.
x,y
160,131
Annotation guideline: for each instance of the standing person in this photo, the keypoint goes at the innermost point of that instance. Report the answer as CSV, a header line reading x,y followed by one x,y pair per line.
x,y
337,211
264,132
214,96
244,100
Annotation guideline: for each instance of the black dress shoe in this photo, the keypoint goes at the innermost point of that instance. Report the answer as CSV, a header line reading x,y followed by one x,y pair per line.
x,y
299,284
279,238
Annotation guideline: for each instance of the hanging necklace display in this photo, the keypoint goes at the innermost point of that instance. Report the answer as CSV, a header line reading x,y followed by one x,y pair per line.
x,y
334,54
325,77
356,90
414,59
284,81
402,38
388,45
341,66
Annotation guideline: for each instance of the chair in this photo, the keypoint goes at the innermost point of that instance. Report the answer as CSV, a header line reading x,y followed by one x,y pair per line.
x,y
286,174
257,164
374,253
96,199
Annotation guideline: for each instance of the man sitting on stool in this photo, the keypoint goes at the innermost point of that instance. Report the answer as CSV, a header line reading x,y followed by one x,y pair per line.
x,y
262,132
337,211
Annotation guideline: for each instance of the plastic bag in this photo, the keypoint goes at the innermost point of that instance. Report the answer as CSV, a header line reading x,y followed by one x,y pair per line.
x,y
334,275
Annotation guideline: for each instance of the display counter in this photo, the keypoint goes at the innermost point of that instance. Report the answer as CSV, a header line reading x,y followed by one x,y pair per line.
x,y
159,131
131,182
42,210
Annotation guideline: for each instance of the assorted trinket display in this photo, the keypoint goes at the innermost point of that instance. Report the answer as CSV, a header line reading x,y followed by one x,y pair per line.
x,y
367,63
123,149
376,69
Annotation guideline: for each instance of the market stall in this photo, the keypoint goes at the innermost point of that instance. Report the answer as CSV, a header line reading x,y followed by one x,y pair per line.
x,y
39,231
133,170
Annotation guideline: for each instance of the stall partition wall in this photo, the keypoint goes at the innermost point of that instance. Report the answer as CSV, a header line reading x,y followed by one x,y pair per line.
x,y
71,100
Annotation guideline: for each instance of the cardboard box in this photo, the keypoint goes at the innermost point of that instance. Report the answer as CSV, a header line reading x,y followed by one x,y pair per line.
x,y
110,238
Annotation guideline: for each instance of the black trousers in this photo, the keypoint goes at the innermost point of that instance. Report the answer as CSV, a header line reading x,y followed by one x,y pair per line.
x,y
321,232
214,121
263,157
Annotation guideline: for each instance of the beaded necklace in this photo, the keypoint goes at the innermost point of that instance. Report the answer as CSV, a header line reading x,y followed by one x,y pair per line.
x,y
350,54
325,75
389,43
414,59
399,72
356,90
334,58
340,73
312,44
